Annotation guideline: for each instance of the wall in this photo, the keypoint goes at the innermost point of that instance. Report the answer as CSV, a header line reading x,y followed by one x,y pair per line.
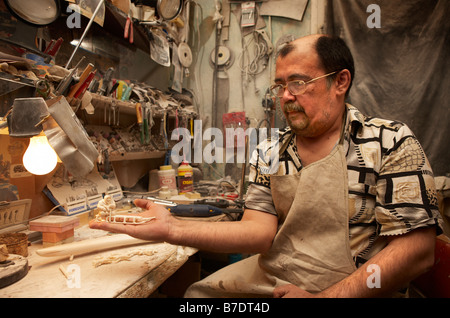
x,y
237,90
245,93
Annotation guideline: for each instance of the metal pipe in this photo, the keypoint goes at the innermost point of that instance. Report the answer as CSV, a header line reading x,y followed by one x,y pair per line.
x,y
85,31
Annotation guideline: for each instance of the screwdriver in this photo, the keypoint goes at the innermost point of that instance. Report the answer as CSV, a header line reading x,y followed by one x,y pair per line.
x,y
139,120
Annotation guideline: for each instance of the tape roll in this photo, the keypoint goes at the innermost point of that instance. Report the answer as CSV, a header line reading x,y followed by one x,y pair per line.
x,y
184,54
223,55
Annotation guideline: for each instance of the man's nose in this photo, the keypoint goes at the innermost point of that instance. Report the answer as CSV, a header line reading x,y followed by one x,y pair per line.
x,y
287,96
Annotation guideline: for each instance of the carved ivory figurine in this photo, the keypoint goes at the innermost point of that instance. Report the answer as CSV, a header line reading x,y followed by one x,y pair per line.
x,y
106,207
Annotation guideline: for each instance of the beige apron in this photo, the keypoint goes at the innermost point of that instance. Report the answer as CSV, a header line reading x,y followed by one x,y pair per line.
x,y
311,248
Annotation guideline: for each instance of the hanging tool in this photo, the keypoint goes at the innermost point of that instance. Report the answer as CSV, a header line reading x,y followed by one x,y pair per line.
x,y
107,78
145,114
115,110
128,32
139,121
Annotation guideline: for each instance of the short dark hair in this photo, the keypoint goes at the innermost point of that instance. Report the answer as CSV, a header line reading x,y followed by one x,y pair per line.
x,y
335,55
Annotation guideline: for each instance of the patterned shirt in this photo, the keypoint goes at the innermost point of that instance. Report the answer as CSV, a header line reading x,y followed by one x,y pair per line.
x,y
391,184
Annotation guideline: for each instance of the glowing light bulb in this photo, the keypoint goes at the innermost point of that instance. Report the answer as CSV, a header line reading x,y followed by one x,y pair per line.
x,y
39,158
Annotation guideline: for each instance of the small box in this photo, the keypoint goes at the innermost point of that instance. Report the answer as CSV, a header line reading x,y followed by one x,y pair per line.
x,y
55,228
54,223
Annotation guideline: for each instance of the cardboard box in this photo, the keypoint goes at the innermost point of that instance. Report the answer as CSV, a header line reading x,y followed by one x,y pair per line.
x,y
15,181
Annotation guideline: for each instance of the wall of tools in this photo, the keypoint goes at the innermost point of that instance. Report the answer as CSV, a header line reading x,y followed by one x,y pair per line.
x,y
120,92
136,77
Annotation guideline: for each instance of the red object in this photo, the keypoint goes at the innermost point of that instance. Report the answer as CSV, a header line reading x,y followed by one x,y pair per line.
x,y
128,33
436,282
85,85
234,121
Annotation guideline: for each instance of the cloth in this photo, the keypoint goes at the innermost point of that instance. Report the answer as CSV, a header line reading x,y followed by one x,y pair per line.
x,y
311,248
402,67
391,184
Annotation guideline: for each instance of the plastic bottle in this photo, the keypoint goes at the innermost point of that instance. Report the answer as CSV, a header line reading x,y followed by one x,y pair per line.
x,y
167,178
185,178
164,193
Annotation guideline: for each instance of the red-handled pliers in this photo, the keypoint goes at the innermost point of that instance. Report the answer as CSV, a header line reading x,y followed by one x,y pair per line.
x,y
128,32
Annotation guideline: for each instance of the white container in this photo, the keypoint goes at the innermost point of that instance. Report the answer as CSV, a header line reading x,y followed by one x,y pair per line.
x,y
167,178
165,193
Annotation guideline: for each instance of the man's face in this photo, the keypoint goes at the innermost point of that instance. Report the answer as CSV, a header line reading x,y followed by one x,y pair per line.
x,y
313,112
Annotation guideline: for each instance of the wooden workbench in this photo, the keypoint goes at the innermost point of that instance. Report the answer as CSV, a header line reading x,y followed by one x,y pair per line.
x,y
147,267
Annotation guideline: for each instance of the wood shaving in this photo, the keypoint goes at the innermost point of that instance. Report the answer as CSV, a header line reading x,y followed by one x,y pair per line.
x,y
115,258
3,252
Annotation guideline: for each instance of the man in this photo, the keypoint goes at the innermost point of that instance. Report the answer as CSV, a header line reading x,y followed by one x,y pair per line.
x,y
351,196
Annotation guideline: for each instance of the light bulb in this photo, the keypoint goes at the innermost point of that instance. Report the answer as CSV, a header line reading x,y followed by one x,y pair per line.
x,y
39,158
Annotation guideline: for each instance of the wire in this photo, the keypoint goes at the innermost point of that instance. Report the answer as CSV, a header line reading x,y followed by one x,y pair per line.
x,y
250,65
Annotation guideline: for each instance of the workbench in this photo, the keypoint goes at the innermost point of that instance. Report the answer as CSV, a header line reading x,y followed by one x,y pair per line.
x,y
135,271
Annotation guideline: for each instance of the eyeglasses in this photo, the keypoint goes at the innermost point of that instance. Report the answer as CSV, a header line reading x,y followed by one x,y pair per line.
x,y
296,87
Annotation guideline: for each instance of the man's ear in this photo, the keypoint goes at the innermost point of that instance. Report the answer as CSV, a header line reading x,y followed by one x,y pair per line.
x,y
342,81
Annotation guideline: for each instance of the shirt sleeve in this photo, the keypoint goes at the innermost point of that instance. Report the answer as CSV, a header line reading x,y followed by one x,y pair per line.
x,y
263,163
406,193
260,198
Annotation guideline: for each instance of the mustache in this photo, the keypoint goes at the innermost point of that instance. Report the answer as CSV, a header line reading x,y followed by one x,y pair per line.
x,y
293,107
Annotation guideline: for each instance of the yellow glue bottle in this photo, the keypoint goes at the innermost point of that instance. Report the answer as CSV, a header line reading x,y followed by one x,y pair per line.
x,y
185,178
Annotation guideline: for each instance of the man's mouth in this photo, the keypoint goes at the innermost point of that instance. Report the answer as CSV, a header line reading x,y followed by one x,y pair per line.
x,y
292,108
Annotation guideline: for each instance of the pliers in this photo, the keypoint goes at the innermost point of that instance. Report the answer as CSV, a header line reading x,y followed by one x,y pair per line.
x,y
128,32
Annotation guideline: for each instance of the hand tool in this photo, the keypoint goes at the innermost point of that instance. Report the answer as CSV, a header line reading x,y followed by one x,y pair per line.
x,y
107,78
93,87
54,46
115,111
163,130
43,88
88,69
195,210
145,114
220,203
62,86
128,32
126,95
105,110
80,92
188,210
120,89
139,121
112,91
